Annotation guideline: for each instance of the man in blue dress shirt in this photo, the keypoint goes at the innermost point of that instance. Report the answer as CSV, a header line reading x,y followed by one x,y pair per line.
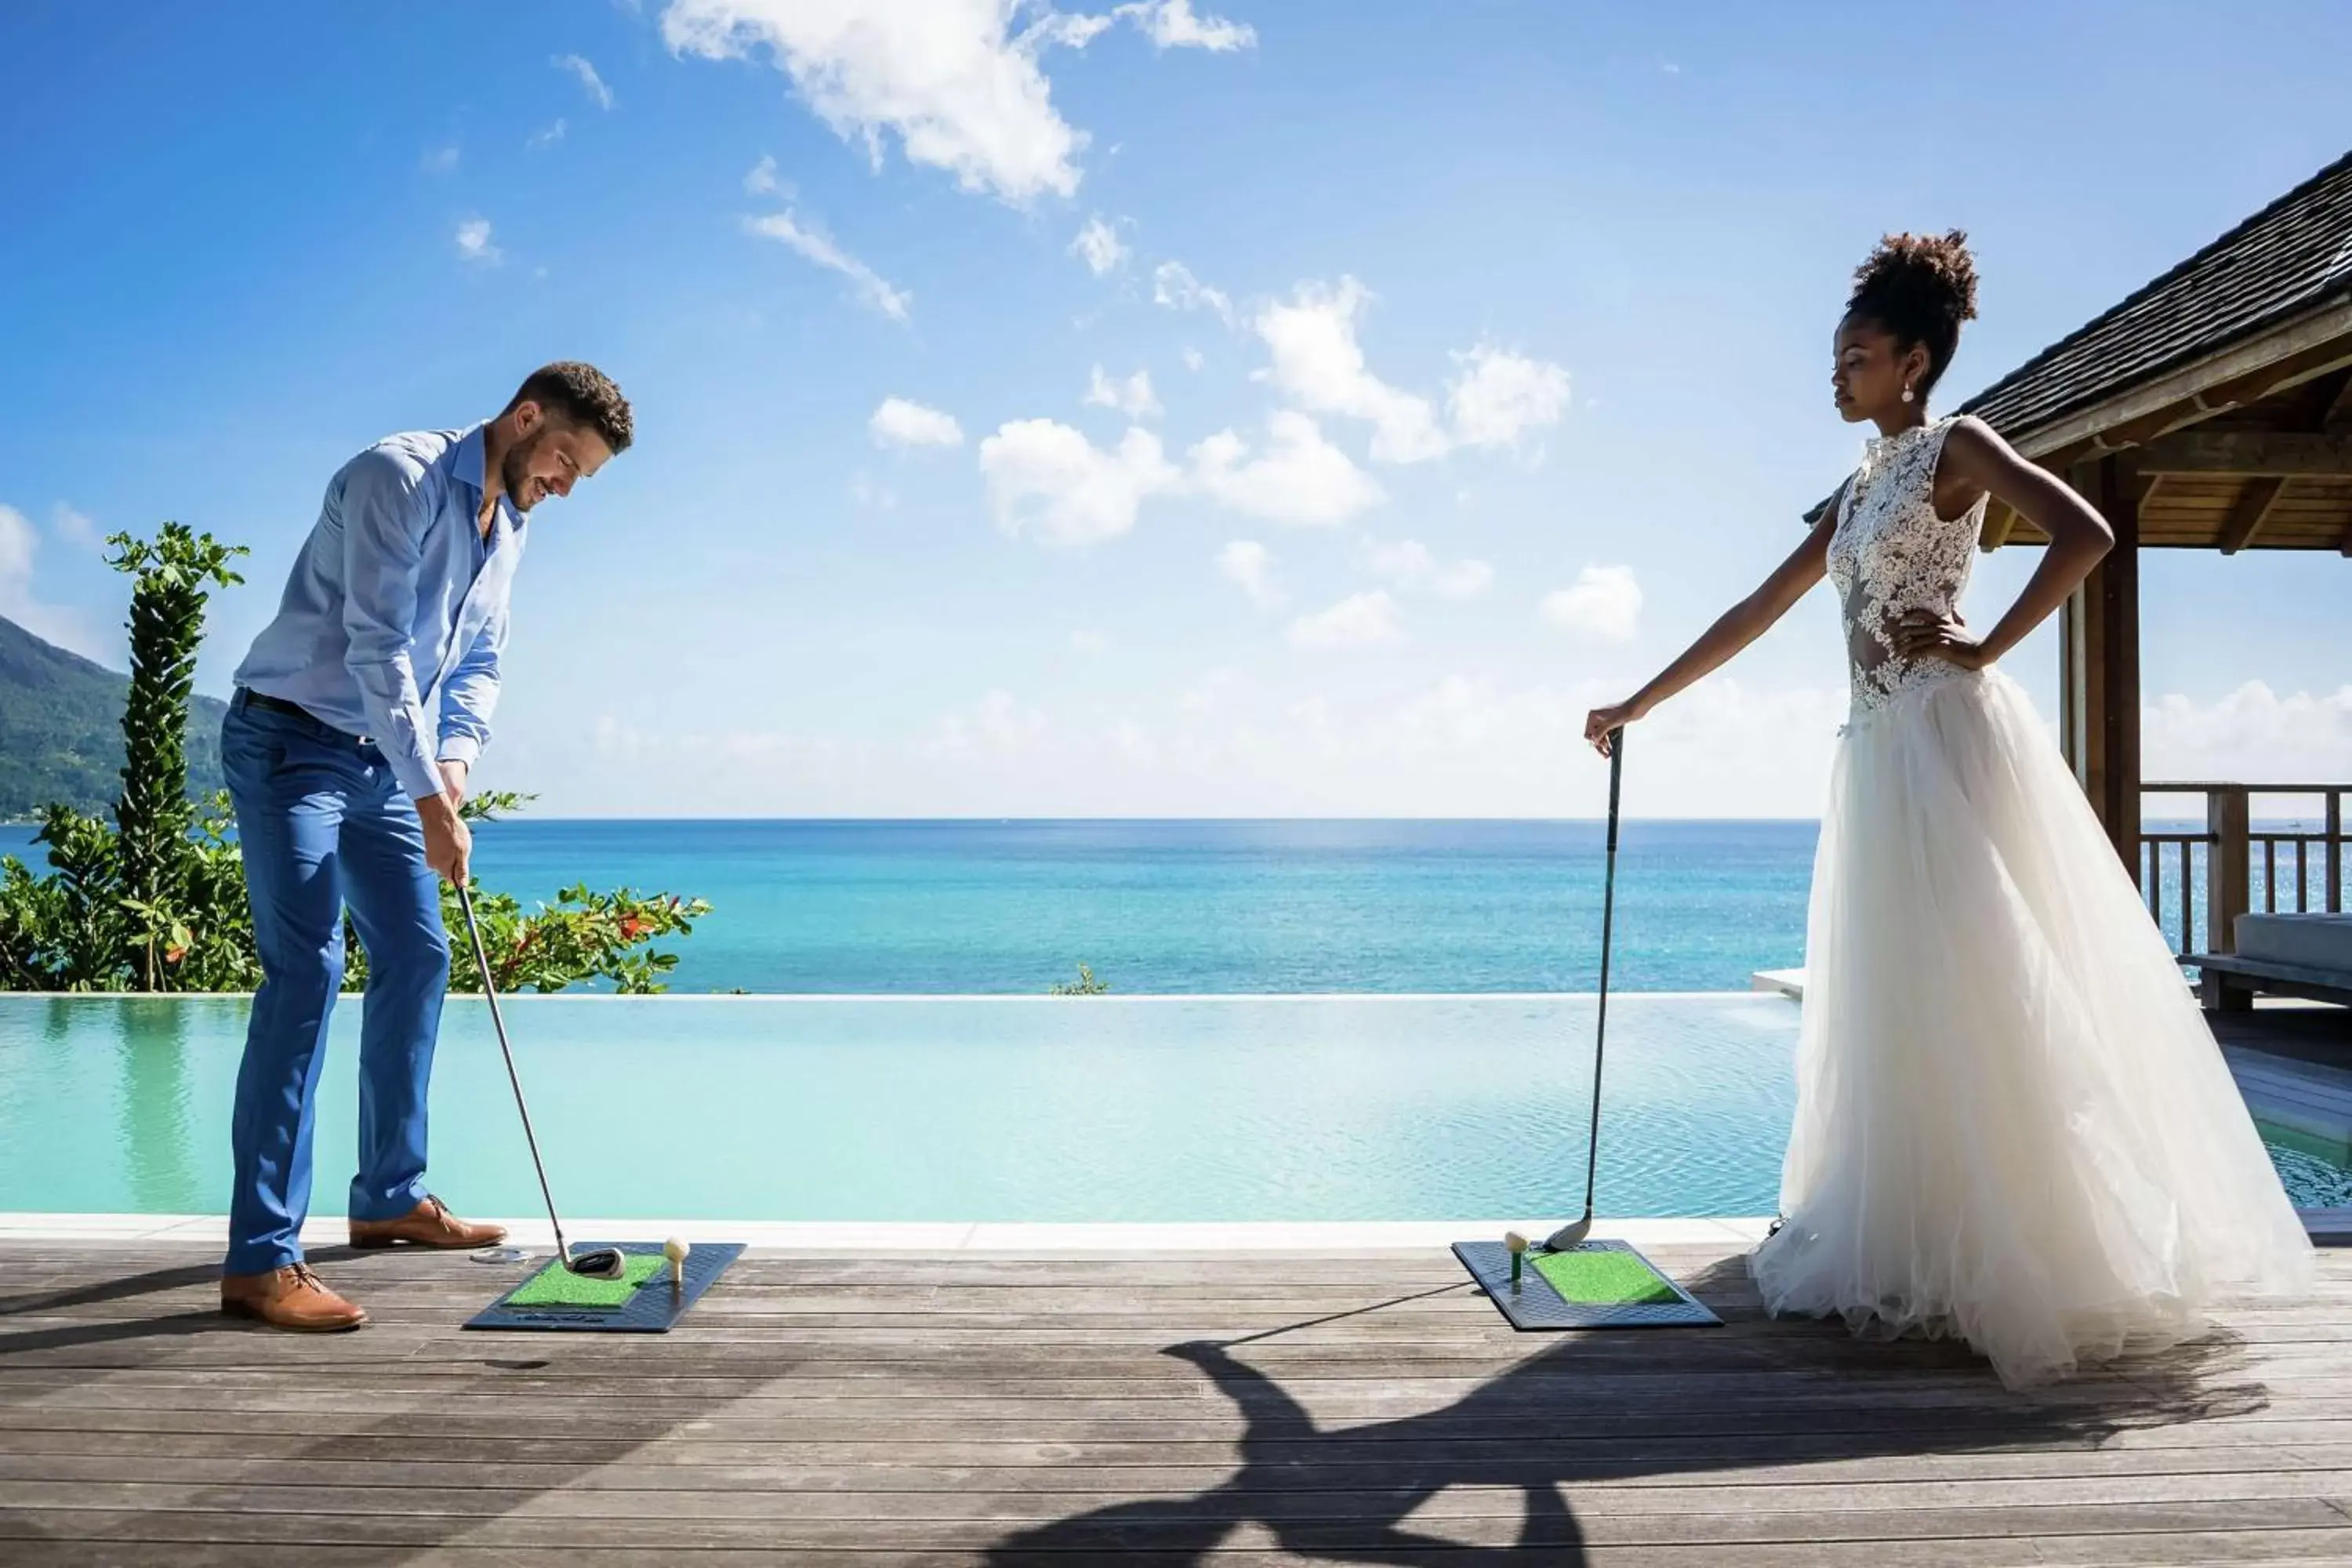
x,y
357,716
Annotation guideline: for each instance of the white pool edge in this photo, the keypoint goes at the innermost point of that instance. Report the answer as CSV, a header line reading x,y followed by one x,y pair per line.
x,y
836,1236
844,1236
511,998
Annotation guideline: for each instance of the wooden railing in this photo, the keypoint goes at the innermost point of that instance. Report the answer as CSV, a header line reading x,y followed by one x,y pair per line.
x,y
2233,860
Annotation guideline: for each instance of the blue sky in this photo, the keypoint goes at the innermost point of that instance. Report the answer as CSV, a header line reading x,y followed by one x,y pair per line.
x,y
1483,354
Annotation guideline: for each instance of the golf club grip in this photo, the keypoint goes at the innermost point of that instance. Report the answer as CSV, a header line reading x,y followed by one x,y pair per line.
x,y
1616,774
499,1025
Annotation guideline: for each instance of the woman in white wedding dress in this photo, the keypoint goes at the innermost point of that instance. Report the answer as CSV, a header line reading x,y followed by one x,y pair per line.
x,y
2013,1125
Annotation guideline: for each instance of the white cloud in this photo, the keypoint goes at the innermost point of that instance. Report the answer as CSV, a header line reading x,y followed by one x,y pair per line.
x,y
74,528
1408,564
948,78
1604,601
995,728
1204,695
1047,480
817,246
1720,748
1192,360
1171,25
1088,642
763,180
951,80
1316,360
440,160
549,136
19,544
1131,397
1361,620
1462,580
2254,733
473,243
1500,395
1174,288
1251,564
1132,744
899,423
1099,244
1230,744
598,93
1301,479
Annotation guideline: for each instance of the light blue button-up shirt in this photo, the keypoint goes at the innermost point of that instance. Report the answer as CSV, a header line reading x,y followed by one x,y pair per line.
x,y
395,613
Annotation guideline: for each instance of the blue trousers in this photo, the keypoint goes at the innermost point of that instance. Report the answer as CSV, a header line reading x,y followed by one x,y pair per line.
x,y
323,822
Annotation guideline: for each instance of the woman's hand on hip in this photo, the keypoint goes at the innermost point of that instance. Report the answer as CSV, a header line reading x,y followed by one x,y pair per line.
x,y
1924,634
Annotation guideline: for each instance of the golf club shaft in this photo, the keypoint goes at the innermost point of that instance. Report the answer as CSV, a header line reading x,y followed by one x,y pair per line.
x,y
1608,916
490,994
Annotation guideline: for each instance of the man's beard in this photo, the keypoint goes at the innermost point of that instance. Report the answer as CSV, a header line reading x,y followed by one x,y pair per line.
x,y
514,473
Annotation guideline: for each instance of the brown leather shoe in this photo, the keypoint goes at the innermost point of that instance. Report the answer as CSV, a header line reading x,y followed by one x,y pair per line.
x,y
429,1224
290,1298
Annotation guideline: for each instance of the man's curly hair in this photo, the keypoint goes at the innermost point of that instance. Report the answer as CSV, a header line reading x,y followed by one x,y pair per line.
x,y
581,395
1919,288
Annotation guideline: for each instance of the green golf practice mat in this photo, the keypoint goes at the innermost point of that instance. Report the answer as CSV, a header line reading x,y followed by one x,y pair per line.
x,y
556,1286
644,1301
1593,1285
1604,1279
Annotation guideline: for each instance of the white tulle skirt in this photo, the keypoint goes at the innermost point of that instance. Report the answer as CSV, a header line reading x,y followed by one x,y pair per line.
x,y
2013,1125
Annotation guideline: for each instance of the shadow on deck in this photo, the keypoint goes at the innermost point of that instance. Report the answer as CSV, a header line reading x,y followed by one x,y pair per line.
x,y
971,1408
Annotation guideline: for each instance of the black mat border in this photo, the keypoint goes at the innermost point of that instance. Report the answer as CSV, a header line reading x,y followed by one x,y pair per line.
x,y
1536,1308
654,1309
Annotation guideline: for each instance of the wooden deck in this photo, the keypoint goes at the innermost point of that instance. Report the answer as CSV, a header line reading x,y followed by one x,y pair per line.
x,y
1257,1409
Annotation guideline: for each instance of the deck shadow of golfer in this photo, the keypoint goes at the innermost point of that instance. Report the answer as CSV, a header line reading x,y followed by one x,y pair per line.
x,y
1360,1515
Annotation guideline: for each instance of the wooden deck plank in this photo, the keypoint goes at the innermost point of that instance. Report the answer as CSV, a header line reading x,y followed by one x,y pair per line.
x,y
981,1408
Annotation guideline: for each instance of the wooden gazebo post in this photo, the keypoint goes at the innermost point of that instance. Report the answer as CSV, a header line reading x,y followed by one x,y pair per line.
x,y
2099,659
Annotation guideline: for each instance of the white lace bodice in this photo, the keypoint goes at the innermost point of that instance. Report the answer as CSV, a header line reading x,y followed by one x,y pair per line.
x,y
1891,555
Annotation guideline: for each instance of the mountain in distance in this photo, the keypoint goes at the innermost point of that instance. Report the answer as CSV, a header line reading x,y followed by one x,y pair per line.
x,y
61,729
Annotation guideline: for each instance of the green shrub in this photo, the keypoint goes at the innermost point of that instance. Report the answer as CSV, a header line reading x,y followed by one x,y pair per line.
x,y
155,900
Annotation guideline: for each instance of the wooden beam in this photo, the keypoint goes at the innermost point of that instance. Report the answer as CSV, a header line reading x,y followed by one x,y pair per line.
x,y
2249,453
2250,512
2229,885
2339,411
2000,520
2245,373
2104,677
2073,686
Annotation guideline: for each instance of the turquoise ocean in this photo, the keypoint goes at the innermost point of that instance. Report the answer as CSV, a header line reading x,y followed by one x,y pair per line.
x,y
1193,906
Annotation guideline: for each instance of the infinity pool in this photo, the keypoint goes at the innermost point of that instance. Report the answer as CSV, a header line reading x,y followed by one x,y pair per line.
x,y
1107,1108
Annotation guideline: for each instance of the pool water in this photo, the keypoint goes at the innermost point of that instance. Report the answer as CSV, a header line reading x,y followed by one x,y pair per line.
x,y
987,1109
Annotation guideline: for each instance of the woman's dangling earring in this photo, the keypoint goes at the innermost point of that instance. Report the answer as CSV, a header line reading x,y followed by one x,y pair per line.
x,y
1907,395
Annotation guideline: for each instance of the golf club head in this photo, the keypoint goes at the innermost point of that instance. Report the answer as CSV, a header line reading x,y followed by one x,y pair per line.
x,y
596,1263
1570,1234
